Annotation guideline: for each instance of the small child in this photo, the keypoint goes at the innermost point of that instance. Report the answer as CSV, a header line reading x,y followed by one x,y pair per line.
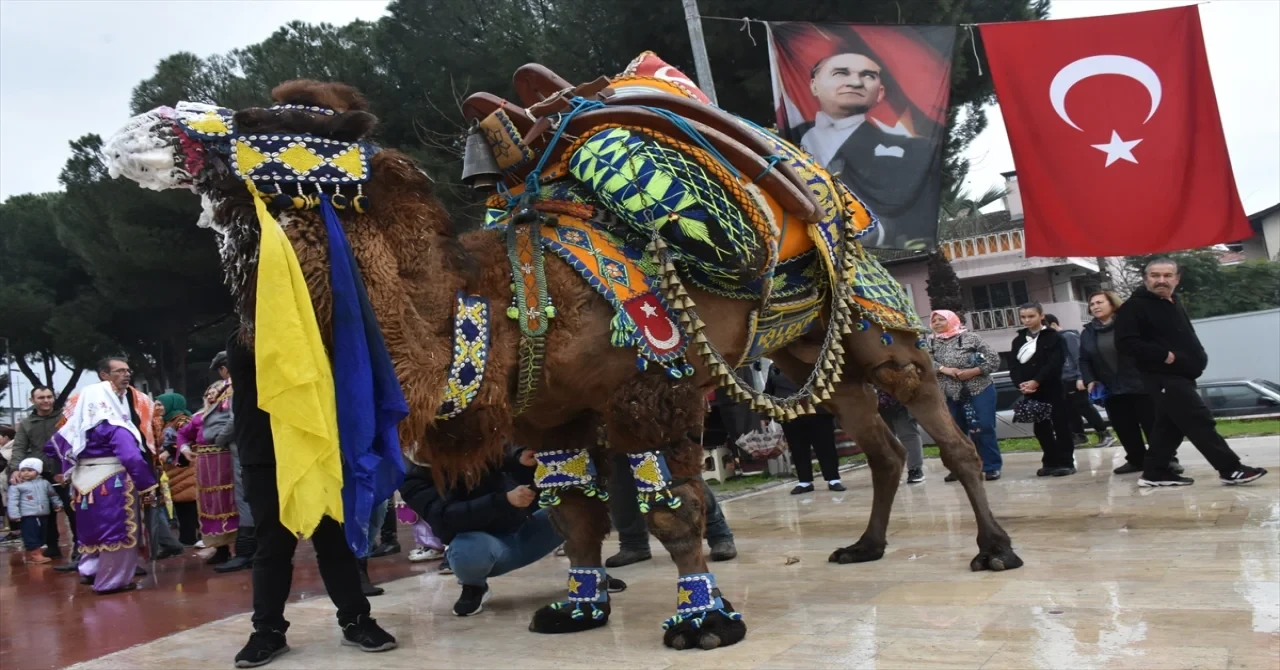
x,y
30,500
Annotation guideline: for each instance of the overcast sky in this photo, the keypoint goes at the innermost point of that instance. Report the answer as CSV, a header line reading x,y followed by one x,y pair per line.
x,y
67,68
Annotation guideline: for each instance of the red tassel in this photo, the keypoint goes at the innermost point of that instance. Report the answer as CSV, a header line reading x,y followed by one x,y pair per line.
x,y
103,492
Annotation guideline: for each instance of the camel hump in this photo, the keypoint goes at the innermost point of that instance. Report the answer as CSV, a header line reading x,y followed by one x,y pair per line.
x,y
334,95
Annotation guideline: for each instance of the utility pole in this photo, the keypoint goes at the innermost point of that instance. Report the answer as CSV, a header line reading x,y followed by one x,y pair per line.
x,y
699,43
13,391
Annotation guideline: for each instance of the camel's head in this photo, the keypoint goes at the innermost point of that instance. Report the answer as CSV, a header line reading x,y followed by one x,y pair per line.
x,y
308,142
311,141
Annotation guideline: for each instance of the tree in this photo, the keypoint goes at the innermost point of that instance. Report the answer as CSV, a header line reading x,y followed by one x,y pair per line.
x,y
960,212
943,285
156,276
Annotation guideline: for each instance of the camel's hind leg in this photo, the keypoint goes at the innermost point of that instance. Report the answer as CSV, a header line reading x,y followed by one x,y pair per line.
x,y
650,420
854,403
929,407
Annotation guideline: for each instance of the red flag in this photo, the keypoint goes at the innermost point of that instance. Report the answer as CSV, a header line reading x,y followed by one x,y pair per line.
x,y
1115,134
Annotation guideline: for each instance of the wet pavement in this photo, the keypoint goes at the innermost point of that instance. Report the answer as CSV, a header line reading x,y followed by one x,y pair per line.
x,y
1115,577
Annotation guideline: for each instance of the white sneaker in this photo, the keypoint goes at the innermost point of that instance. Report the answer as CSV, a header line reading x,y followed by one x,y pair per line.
x,y
421,554
199,544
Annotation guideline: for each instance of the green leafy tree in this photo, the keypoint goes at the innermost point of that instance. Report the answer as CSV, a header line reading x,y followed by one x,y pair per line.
x,y
156,275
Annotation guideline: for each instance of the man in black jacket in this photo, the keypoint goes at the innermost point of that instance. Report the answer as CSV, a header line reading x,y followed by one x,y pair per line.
x,y
491,528
1154,329
273,560
1038,354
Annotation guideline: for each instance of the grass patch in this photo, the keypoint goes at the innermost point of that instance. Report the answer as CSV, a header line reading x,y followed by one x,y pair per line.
x,y
1226,427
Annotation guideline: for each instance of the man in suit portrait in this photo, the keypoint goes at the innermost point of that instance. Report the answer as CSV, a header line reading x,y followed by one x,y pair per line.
x,y
884,166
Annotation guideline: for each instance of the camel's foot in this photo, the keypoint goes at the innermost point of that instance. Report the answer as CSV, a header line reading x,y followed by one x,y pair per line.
x,y
567,617
707,630
996,559
861,551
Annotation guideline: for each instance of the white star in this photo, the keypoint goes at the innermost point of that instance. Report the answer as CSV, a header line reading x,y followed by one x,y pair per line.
x,y
649,310
1117,149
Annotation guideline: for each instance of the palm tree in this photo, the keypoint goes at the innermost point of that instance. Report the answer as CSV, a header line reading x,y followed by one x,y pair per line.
x,y
960,212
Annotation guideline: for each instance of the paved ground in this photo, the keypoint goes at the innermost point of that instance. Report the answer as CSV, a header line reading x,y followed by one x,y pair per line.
x,y
1116,577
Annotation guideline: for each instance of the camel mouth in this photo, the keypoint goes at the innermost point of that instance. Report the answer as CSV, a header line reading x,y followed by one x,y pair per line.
x,y
170,148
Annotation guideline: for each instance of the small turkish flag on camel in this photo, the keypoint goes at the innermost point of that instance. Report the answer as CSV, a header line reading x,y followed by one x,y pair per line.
x,y
1115,134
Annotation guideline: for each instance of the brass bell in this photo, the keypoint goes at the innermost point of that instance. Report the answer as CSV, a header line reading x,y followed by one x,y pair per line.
x,y
479,168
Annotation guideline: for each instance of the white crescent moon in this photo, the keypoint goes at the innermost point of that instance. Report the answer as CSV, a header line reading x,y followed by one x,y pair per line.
x,y
1084,68
663,345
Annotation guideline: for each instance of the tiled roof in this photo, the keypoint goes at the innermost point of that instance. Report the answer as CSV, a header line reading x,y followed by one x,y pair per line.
x,y
897,255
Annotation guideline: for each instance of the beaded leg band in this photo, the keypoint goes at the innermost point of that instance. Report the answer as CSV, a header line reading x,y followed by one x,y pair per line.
x,y
653,480
587,588
696,596
565,469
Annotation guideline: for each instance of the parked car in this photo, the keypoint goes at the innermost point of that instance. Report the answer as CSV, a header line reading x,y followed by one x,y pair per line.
x,y
1241,397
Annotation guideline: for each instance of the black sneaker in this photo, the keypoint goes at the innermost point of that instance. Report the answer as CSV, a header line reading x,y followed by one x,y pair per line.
x,y
1106,440
627,557
366,634
1062,472
616,585
802,489
836,487
915,475
1244,475
951,477
1044,472
1176,468
385,549
1129,468
1166,478
262,648
991,475
472,600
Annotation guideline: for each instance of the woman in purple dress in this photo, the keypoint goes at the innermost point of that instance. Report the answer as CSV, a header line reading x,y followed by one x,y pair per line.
x,y
207,434
102,454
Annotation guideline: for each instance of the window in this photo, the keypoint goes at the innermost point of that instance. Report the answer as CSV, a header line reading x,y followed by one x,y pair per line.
x,y
1000,294
1232,399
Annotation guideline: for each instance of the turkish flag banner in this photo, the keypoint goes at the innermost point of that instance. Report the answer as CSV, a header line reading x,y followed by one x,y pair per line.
x,y
1115,134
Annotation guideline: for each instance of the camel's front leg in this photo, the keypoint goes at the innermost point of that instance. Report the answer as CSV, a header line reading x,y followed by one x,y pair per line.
x,y
569,484
675,504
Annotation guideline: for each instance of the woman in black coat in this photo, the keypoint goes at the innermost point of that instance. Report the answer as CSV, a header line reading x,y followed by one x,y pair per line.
x,y
1129,406
1036,368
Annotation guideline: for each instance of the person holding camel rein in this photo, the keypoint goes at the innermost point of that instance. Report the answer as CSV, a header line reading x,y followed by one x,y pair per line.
x,y
1038,353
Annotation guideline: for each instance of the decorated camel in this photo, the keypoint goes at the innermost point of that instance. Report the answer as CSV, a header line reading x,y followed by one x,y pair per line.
x,y
639,246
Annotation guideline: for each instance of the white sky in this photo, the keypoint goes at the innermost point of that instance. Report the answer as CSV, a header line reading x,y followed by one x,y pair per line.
x,y
67,68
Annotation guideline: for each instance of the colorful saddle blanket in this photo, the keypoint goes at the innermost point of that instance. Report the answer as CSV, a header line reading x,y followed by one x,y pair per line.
x,y
650,159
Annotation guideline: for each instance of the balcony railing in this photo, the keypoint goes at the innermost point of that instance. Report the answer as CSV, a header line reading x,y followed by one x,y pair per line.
x,y
984,245
1073,314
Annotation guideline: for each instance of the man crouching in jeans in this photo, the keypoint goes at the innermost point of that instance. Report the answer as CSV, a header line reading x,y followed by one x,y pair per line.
x,y
491,528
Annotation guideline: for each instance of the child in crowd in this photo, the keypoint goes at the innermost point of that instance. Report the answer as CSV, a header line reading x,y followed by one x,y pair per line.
x,y
30,500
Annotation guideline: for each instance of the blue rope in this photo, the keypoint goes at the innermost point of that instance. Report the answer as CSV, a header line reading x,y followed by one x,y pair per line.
x,y
580,105
773,160
698,138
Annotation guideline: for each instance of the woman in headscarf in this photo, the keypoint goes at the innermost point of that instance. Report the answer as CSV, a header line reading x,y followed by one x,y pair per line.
x,y
208,436
104,456
179,467
964,363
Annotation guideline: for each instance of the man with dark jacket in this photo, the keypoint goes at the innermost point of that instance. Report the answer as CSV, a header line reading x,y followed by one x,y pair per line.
x,y
1154,329
1076,390
273,560
32,434
490,528
1037,355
